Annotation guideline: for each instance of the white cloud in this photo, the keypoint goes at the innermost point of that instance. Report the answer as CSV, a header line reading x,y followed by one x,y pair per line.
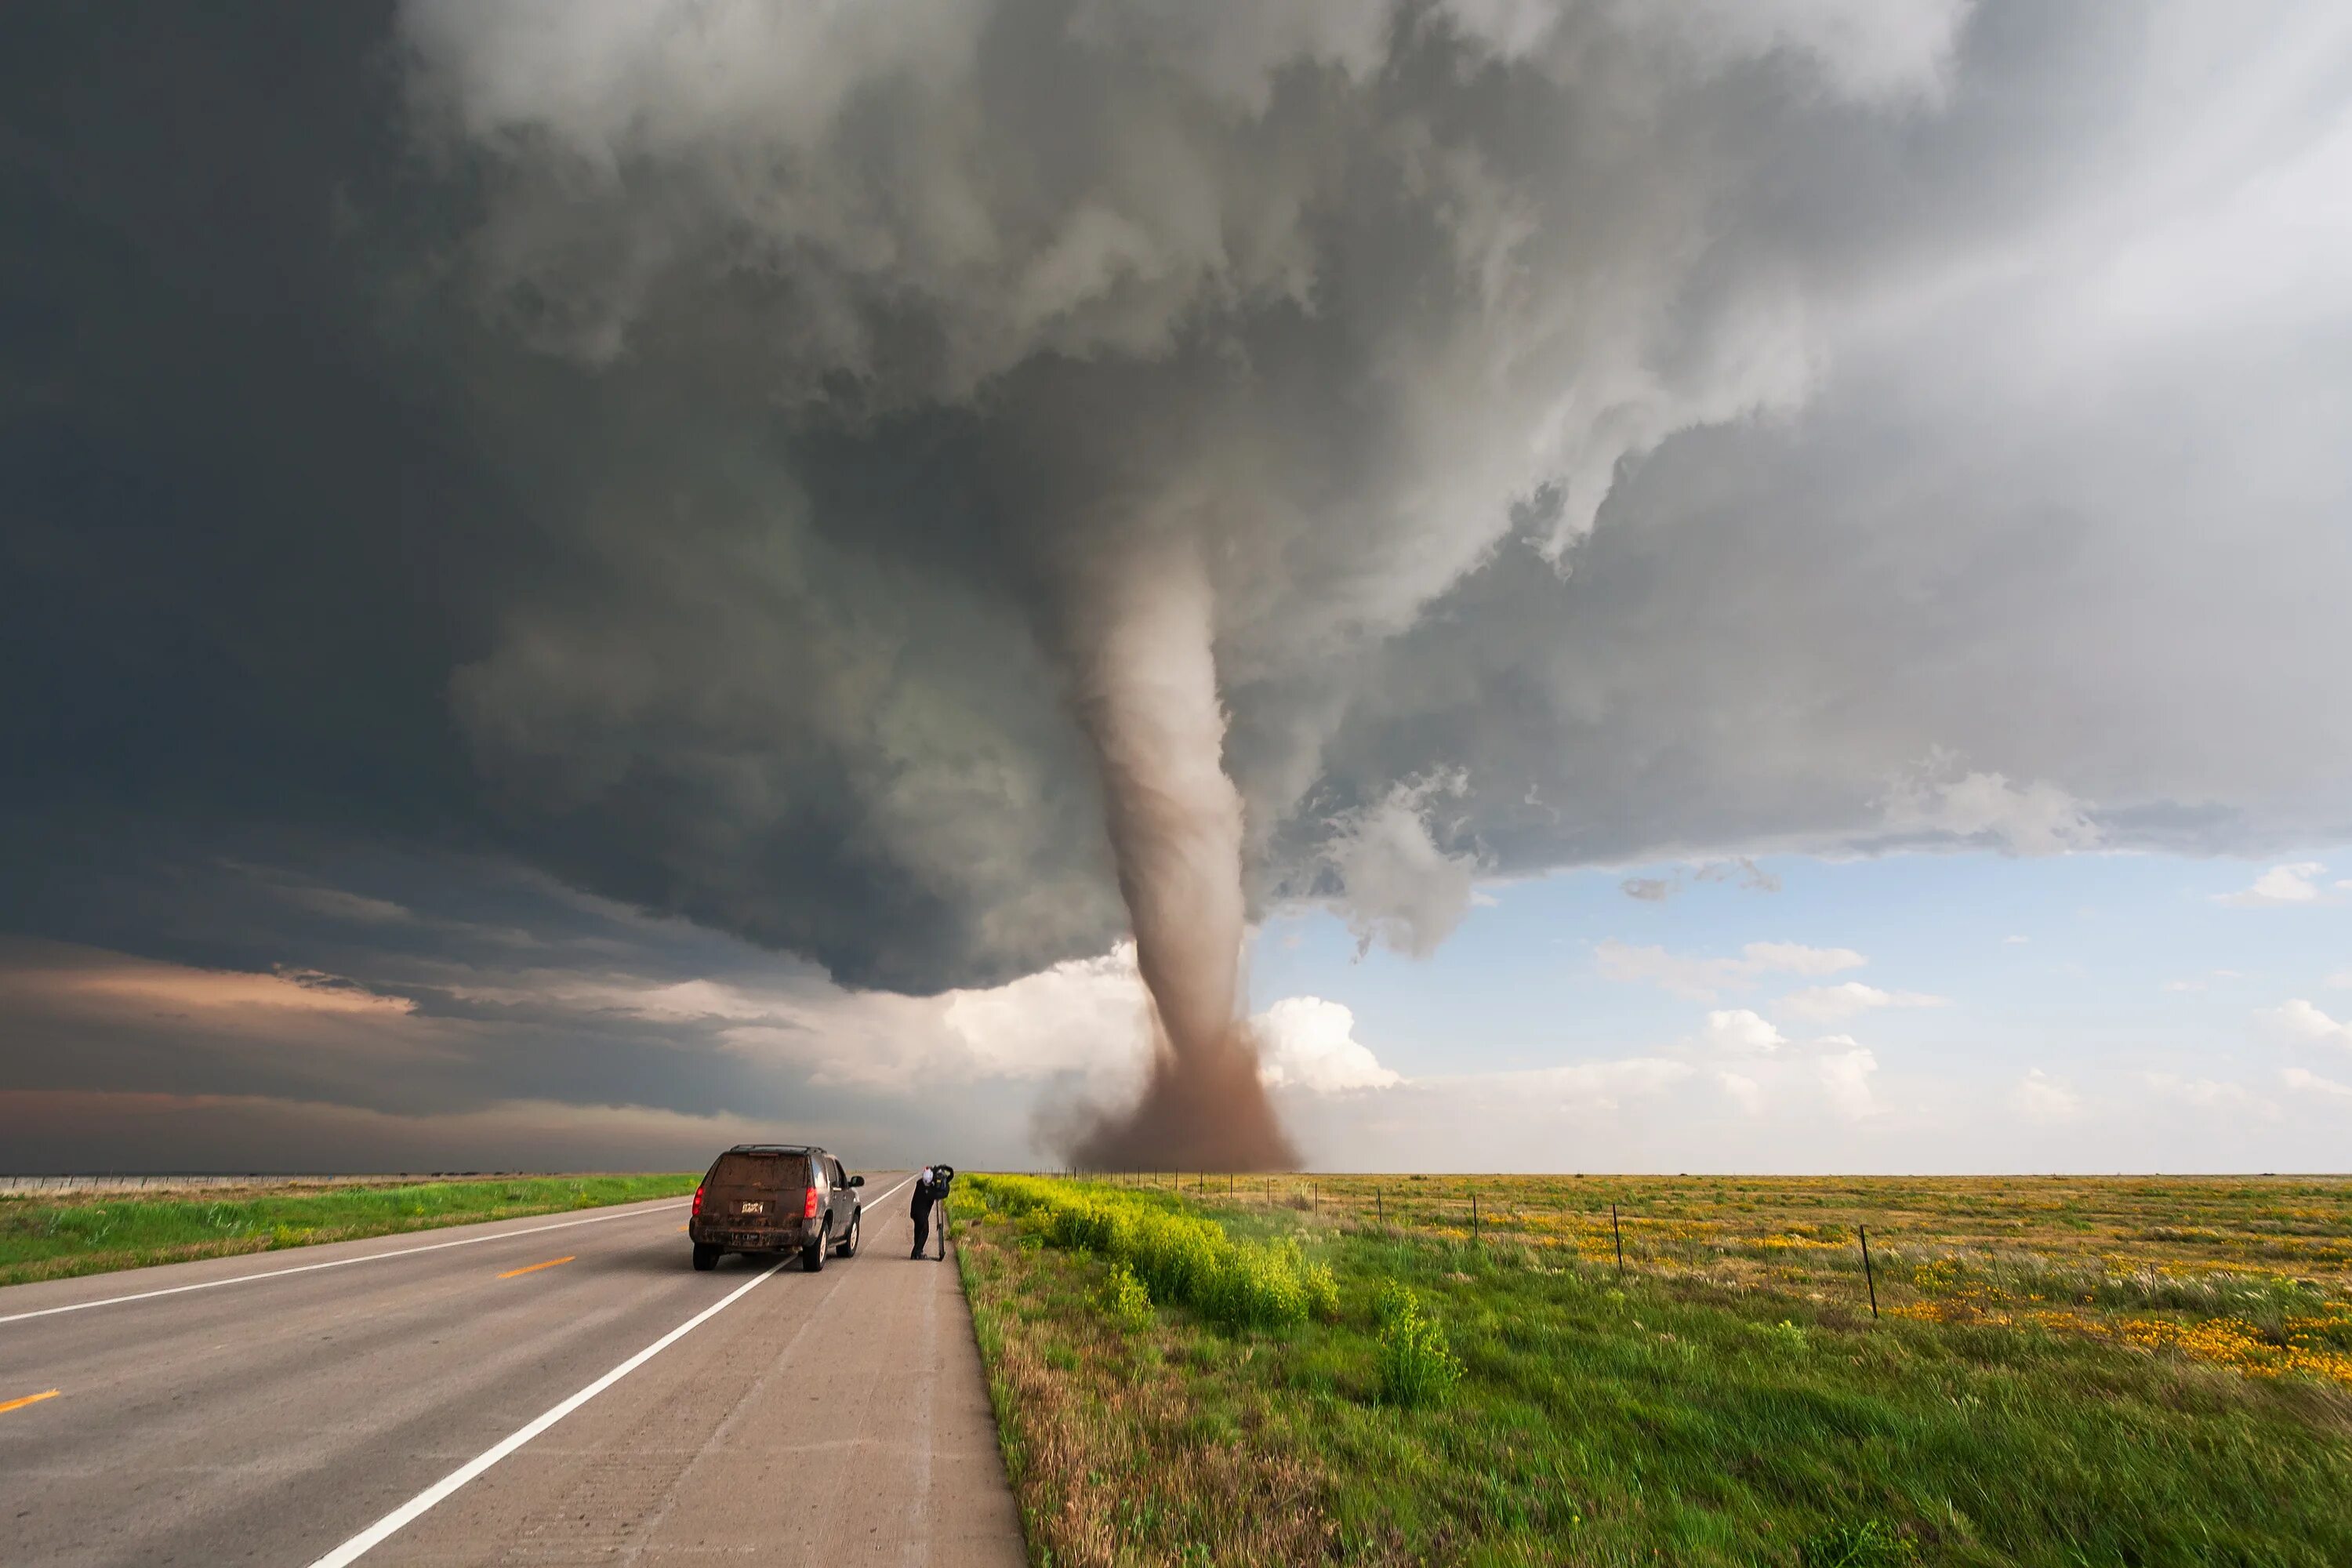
x,y
1744,1091
1831,1004
1602,1084
2341,979
1308,1043
2303,1080
2036,818
1794,958
2297,1019
2210,1094
1397,886
1741,1031
2015,940
2183,986
1086,1015
2281,886
1700,979
1089,1017
2043,1099
1697,978
1846,1078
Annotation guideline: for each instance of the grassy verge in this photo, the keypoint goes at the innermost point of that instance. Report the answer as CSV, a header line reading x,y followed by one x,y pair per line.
x,y
58,1238
1507,1404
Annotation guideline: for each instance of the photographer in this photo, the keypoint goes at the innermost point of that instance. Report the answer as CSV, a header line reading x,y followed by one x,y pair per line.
x,y
932,1186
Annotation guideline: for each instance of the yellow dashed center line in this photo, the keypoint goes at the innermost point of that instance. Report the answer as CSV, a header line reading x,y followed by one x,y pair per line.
x,y
28,1399
536,1266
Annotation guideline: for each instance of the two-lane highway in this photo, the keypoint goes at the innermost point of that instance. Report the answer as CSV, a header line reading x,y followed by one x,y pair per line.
x,y
563,1389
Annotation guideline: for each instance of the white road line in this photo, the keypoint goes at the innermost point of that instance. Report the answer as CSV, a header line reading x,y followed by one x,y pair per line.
x,y
332,1263
901,1187
384,1528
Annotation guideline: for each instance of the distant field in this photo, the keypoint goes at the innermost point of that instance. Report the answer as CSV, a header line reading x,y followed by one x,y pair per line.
x,y
56,1236
2064,1371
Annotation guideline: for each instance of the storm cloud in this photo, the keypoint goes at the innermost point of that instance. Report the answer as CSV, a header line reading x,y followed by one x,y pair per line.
x,y
678,452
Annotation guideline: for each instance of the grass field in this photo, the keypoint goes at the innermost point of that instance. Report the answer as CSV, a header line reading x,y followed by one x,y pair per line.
x,y
54,1236
2065,1372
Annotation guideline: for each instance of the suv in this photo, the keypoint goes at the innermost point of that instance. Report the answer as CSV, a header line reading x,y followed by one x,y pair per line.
x,y
776,1197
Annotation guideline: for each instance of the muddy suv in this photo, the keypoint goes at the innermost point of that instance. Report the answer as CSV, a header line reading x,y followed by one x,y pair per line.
x,y
776,1197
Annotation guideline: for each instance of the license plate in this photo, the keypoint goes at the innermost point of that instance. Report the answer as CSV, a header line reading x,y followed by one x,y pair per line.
x,y
753,1209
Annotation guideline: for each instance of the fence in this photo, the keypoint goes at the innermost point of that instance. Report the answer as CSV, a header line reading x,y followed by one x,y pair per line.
x,y
1600,1230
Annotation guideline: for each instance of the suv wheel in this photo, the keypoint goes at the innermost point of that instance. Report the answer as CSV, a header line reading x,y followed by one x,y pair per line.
x,y
706,1257
848,1245
813,1255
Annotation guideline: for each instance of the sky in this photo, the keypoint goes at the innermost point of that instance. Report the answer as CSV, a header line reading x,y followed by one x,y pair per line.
x,y
1775,576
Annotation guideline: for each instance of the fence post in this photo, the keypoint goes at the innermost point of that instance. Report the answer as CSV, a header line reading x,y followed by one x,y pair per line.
x,y
1618,1236
1379,1216
1473,1215
1868,1278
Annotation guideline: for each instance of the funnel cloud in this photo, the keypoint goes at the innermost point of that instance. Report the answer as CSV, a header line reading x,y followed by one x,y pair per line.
x,y
1148,697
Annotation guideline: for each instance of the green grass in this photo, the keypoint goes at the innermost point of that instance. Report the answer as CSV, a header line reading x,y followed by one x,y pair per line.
x,y
59,1238
1175,1257
1594,1421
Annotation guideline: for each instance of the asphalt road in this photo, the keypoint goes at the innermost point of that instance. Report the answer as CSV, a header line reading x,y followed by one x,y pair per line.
x,y
425,1404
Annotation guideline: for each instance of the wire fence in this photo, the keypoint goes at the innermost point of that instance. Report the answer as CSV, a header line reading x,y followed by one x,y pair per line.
x,y
1602,1228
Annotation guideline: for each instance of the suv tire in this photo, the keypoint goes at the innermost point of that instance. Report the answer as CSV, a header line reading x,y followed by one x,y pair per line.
x,y
848,1244
706,1257
813,1255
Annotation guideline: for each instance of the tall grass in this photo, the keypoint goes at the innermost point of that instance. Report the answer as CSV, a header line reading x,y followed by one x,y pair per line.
x,y
1124,1299
1417,1366
1181,1260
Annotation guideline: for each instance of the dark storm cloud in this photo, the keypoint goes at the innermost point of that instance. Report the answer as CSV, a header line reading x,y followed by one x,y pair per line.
x,y
435,1011
674,459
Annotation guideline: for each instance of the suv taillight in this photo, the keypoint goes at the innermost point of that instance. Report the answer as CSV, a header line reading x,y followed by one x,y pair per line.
x,y
697,1205
808,1208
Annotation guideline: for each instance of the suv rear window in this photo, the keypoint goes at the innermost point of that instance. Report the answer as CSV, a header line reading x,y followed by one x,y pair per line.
x,y
764,1172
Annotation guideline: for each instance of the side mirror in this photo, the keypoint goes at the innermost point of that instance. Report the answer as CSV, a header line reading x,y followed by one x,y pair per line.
x,y
856,1181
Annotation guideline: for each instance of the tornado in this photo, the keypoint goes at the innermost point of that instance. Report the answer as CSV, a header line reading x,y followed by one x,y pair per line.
x,y
1147,695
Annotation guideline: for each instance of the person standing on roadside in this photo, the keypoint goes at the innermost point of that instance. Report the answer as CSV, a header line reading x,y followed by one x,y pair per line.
x,y
919,1211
